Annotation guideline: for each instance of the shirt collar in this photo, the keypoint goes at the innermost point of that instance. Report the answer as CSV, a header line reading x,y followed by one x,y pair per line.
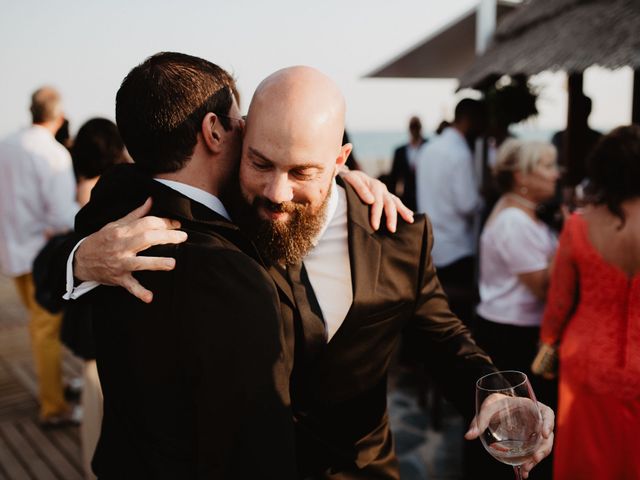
x,y
332,207
197,195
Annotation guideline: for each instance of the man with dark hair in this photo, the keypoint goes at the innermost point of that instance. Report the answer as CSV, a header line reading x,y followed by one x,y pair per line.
x,y
403,170
346,290
37,192
196,383
184,92
448,193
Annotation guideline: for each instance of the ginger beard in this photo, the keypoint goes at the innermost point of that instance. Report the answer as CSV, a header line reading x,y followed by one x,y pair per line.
x,y
286,241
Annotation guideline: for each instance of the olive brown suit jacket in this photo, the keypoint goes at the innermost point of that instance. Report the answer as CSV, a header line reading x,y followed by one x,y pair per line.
x,y
339,399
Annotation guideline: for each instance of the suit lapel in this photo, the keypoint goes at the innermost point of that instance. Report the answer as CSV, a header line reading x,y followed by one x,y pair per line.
x,y
364,257
280,278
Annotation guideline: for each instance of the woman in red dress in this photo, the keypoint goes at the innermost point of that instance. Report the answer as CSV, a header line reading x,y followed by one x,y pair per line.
x,y
593,313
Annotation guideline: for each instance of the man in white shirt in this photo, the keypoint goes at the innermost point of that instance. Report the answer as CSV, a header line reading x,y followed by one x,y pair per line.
x,y
447,192
37,199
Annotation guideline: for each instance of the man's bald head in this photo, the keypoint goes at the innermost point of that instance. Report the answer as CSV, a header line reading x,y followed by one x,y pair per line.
x,y
46,106
300,99
291,153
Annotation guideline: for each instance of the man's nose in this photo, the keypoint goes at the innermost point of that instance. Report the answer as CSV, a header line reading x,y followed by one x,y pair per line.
x,y
279,189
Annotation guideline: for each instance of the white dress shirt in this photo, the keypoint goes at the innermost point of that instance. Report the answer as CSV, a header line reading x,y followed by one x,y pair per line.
x,y
197,195
328,264
412,155
447,192
37,194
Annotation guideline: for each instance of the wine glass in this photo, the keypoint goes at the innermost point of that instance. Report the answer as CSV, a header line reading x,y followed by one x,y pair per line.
x,y
508,417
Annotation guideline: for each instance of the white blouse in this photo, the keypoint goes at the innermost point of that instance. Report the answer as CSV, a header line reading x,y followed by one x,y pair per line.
x,y
512,244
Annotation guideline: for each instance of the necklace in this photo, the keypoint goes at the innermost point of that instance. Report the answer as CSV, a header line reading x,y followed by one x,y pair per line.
x,y
522,201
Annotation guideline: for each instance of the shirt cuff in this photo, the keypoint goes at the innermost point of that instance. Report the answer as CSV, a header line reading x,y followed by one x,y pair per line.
x,y
74,292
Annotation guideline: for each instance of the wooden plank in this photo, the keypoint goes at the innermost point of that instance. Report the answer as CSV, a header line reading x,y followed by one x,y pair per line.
x,y
49,452
39,470
26,378
68,442
10,464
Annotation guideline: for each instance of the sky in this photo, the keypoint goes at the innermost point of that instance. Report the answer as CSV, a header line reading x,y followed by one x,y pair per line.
x,y
85,48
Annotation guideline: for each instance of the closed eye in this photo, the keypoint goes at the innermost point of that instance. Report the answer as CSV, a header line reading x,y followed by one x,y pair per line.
x,y
304,173
263,167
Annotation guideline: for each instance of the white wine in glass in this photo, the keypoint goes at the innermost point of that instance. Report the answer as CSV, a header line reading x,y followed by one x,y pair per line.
x,y
508,417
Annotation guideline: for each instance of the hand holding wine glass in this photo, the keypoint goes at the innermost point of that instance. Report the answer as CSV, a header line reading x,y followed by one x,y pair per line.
x,y
513,427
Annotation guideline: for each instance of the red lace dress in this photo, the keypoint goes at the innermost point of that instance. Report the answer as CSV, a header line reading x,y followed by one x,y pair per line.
x,y
593,309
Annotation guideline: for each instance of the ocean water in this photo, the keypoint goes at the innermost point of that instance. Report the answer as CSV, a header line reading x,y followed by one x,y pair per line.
x,y
374,149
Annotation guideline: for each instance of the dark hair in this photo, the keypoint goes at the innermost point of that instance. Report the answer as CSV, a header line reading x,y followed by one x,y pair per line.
x,y
97,146
63,136
161,103
614,169
469,108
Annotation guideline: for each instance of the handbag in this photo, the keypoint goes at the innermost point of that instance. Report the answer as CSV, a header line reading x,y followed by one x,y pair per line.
x,y
545,363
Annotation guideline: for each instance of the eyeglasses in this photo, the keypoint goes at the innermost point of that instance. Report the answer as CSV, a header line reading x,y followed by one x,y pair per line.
x,y
242,119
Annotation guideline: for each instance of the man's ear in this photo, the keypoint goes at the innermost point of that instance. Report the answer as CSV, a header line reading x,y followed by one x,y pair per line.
x,y
345,151
210,132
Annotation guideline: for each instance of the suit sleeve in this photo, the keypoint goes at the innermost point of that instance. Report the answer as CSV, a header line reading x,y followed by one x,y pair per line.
x,y
450,353
55,278
240,381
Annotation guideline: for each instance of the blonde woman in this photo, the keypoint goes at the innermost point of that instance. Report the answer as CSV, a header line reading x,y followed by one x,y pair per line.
x,y
516,249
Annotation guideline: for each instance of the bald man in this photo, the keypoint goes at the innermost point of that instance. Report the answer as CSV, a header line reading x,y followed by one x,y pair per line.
x,y
346,290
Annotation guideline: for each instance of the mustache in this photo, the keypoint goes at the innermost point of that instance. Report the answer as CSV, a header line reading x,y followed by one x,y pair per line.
x,y
284,207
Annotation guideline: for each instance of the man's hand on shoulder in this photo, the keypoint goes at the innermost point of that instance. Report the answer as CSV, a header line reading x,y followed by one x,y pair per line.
x,y
109,256
375,193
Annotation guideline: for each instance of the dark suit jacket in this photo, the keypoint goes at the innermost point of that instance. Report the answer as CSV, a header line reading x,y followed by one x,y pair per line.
x,y
402,178
195,383
340,400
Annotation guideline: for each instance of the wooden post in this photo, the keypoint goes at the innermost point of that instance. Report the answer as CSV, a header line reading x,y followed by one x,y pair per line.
x,y
573,152
635,111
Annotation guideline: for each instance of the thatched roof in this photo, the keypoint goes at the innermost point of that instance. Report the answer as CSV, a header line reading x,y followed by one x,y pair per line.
x,y
445,53
569,35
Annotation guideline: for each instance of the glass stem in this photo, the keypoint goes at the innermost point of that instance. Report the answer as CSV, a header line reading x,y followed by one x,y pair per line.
x,y
518,471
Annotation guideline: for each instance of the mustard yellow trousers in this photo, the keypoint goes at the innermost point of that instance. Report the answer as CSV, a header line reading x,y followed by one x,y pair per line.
x,y
44,328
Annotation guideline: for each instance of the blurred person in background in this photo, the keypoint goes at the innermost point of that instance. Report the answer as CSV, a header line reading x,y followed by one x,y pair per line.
x,y
516,251
63,135
37,199
593,314
96,147
402,179
588,139
448,193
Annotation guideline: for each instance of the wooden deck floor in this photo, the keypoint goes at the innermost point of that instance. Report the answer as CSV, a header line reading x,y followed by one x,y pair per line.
x,y
26,451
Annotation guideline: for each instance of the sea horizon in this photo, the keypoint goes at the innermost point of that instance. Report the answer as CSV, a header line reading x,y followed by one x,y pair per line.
x,y
373,149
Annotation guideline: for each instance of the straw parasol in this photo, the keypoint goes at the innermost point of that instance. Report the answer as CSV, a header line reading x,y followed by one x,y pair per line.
x,y
569,35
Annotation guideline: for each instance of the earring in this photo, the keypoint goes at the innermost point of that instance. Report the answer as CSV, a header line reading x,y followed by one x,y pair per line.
x,y
524,190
